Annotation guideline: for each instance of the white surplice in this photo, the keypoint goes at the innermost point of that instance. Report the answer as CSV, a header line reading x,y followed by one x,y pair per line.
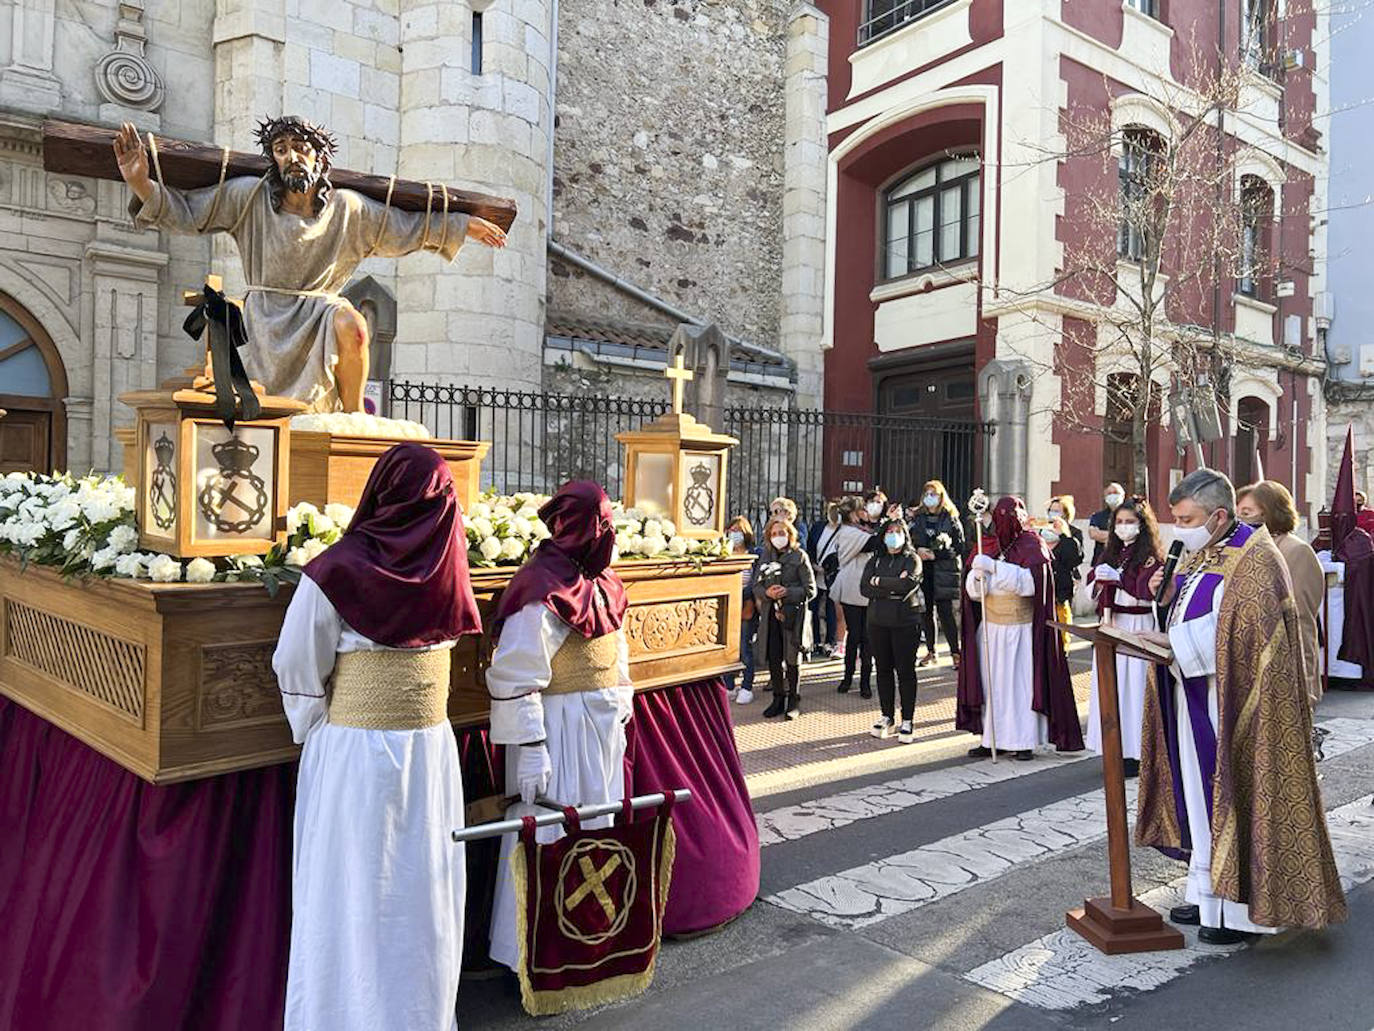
x,y
1006,659
585,732
377,886
1132,678
1335,625
1194,643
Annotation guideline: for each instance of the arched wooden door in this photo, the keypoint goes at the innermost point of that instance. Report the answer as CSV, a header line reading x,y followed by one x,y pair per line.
x,y
33,382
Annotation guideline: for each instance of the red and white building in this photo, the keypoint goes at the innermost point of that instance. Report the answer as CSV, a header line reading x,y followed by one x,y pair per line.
x,y
947,225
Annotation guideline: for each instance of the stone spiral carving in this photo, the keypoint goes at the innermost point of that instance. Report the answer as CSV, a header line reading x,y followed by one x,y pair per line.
x,y
127,78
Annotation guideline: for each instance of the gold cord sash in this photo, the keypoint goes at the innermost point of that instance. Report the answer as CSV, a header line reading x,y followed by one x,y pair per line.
x,y
390,690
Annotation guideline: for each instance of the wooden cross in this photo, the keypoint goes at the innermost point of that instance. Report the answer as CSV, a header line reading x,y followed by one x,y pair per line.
x,y
679,374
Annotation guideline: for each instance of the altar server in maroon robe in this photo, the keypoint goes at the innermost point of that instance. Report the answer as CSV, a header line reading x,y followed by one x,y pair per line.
x,y
363,665
1352,559
1017,668
560,679
1122,584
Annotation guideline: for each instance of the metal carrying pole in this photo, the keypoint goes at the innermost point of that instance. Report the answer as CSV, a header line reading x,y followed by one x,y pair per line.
x,y
556,818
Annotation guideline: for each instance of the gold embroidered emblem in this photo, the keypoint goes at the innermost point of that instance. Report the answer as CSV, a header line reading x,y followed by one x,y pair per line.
x,y
597,861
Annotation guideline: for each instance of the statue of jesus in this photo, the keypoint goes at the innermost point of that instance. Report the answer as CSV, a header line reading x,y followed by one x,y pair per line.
x,y
300,240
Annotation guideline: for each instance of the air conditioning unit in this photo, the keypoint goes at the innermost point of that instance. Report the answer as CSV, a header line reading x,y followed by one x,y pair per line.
x,y
1339,355
1284,288
1294,59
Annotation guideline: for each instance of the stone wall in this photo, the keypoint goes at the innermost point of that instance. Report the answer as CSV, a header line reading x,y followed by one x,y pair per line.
x,y
668,158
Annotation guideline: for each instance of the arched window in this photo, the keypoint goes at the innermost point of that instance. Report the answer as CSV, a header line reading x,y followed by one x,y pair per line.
x,y
1256,217
932,217
33,383
1138,178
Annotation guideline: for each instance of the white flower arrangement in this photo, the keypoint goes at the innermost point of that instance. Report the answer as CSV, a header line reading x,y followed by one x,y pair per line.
x,y
64,521
359,424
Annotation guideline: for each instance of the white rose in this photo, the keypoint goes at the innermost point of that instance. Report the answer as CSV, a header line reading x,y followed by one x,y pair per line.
x,y
313,548
320,524
101,510
502,512
63,514
72,539
677,546
523,528
123,539
653,545
490,548
667,528
247,562
541,532
481,510
528,513
298,514
653,528
200,571
130,565
164,569
483,527
296,557
340,515
512,549
104,559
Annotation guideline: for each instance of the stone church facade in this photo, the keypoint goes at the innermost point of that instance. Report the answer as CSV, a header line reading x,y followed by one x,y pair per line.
x,y
668,160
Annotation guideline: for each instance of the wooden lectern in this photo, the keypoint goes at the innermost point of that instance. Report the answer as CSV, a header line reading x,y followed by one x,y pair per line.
x,y
1120,923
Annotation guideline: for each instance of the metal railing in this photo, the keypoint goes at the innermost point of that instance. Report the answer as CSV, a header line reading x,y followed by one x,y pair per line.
x,y
541,440
884,16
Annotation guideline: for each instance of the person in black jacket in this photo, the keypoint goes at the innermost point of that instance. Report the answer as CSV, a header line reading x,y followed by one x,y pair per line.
x,y
1066,555
938,537
783,586
892,584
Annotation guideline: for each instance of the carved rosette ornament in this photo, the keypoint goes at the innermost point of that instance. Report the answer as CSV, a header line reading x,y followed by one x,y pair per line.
x,y
125,76
674,626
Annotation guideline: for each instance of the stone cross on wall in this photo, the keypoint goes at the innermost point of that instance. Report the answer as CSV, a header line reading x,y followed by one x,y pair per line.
x,y
680,375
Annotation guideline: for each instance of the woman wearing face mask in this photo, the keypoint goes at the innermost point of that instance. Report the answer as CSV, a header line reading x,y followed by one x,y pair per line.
x,y
875,505
852,543
1066,555
1268,503
741,537
938,537
1122,581
892,583
783,585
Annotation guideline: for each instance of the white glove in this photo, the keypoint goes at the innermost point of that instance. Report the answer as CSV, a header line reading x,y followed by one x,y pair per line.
x,y
533,770
1105,574
983,564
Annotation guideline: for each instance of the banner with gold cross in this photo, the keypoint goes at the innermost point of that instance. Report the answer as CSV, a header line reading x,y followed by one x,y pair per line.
x,y
589,909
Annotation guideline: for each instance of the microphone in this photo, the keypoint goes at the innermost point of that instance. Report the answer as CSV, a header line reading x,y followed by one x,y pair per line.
x,y
1170,564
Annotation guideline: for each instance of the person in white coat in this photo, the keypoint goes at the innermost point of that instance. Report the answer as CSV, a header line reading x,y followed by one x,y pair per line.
x,y
853,543
377,888
560,680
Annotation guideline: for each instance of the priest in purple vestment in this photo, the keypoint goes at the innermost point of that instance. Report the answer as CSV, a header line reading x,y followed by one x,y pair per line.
x,y
1227,778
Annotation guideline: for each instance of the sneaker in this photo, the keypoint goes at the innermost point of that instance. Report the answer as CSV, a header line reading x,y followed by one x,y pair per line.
x,y
838,651
744,697
884,728
793,707
905,733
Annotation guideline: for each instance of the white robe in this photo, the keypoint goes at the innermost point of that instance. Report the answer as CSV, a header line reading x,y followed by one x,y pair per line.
x,y
1132,678
377,885
1195,654
585,732
1006,659
1335,629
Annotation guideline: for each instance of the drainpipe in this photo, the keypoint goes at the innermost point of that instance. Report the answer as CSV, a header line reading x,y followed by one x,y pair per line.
x,y
558,250
553,109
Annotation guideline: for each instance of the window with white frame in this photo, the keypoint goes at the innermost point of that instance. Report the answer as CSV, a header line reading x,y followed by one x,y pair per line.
x,y
1258,34
1138,167
1150,7
932,217
884,16
1256,216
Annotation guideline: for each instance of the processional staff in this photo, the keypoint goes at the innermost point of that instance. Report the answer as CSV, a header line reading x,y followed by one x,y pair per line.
x,y
977,507
556,816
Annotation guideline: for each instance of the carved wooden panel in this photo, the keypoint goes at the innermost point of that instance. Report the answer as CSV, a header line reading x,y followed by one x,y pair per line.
x,y
674,626
103,667
237,685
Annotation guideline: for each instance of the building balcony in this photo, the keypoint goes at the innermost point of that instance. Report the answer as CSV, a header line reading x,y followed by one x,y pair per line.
x,y
882,17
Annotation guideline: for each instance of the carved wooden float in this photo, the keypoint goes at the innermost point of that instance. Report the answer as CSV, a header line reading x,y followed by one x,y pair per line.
x,y
174,681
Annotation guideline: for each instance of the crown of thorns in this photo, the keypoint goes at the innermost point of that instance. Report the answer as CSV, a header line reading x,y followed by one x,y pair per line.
x,y
269,129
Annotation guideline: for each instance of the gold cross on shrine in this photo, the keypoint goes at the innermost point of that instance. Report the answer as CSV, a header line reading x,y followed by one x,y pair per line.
x,y
679,374
594,882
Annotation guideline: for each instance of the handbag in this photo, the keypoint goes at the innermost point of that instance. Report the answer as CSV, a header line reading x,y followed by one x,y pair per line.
x,y
830,564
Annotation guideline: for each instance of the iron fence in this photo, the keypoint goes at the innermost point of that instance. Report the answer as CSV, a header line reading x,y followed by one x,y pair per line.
x,y
542,440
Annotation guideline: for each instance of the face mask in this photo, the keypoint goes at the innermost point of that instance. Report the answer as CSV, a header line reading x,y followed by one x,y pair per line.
x,y
874,508
1049,535
931,500
780,541
1115,500
1127,532
894,541
1195,538
736,538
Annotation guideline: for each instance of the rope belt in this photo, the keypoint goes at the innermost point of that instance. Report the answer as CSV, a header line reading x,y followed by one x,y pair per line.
x,y
327,294
390,690
1008,610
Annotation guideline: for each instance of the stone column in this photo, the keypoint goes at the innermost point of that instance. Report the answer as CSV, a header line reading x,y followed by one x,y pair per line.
x,y
26,78
479,321
803,199
79,411
1004,387
124,284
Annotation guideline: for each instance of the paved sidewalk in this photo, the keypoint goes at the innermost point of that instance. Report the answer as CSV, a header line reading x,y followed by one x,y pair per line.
x,y
830,740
